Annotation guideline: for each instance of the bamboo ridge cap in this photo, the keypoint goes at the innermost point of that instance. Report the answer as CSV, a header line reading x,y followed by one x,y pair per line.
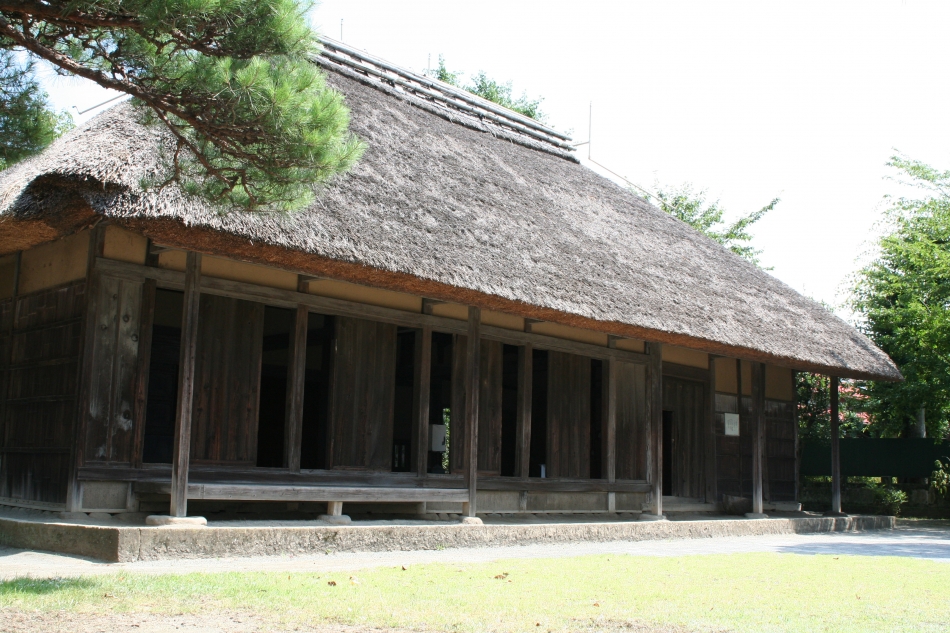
x,y
448,92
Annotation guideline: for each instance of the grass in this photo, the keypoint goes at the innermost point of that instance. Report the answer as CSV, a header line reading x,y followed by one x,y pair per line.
x,y
741,592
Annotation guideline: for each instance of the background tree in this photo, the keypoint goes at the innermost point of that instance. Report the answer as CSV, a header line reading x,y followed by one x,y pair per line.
x,y
903,298
252,122
27,123
494,91
691,207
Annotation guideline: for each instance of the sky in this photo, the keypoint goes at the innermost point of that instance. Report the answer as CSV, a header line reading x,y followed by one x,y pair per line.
x,y
748,101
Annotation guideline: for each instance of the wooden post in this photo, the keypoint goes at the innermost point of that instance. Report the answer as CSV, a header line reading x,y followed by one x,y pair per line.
x,y
296,381
710,435
758,438
186,385
97,241
655,430
473,359
835,450
523,430
422,385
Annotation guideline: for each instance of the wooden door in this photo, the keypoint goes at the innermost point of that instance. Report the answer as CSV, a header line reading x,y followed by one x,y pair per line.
x,y
568,424
685,401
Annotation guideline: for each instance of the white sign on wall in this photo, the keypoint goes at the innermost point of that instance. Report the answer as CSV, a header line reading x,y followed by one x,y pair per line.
x,y
732,423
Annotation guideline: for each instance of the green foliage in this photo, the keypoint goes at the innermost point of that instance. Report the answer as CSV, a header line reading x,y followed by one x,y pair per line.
x,y
940,478
813,400
253,123
691,207
447,421
888,500
491,90
27,123
903,297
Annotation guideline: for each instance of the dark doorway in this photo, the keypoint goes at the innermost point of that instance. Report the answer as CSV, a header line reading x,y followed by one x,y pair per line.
x,y
668,442
316,398
440,397
275,358
159,440
509,410
596,418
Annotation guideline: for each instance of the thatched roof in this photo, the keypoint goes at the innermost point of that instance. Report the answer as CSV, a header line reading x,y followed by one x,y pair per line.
x,y
450,204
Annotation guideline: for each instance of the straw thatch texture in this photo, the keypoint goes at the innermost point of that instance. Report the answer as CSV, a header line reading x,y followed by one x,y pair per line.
x,y
443,207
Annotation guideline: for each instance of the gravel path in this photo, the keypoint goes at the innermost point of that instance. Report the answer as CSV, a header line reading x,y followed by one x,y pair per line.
x,y
922,540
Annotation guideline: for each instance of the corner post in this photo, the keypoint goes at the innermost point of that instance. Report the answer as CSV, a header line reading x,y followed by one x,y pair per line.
x,y
655,431
186,386
758,439
835,449
472,379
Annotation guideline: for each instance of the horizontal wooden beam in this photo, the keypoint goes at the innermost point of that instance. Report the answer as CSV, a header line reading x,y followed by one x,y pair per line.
x,y
685,372
325,305
260,492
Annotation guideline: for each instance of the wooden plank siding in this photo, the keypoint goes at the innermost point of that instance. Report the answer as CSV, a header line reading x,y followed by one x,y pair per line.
x,y
42,339
489,410
686,400
362,391
568,421
631,433
227,380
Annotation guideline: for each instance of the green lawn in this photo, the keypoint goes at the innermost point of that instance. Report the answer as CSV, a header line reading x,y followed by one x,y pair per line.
x,y
743,592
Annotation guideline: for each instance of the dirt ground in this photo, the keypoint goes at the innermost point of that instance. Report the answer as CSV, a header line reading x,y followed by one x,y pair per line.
x,y
13,621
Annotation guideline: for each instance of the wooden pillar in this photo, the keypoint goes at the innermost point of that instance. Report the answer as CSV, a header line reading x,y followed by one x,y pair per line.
x,y
296,381
97,240
758,437
655,428
422,385
835,449
186,385
473,360
710,435
523,430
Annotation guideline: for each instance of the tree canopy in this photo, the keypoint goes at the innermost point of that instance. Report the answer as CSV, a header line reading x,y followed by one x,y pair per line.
x,y
492,90
903,298
253,123
707,217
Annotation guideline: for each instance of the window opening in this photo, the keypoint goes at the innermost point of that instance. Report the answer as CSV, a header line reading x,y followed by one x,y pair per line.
x,y
440,400
539,415
509,410
316,398
402,407
275,360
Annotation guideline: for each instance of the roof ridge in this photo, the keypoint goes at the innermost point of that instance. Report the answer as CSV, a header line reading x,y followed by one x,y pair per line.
x,y
445,94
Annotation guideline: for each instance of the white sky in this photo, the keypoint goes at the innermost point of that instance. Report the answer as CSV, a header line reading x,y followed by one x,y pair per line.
x,y
749,100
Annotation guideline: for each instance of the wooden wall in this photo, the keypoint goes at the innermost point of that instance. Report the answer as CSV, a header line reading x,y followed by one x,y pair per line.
x,y
686,399
40,349
489,407
568,416
227,381
780,471
631,431
362,392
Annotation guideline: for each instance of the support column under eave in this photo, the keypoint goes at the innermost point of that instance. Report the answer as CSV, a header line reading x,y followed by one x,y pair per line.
x,y
473,359
655,432
186,386
758,440
835,451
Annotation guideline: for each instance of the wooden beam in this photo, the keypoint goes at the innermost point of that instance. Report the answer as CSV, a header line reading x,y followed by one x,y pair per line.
x,y
296,381
97,241
758,435
422,386
655,427
428,304
186,385
710,435
523,430
835,448
332,494
472,379
609,450
142,370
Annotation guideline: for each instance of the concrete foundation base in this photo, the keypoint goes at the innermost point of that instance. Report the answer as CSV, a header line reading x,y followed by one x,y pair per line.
x,y
471,521
646,516
335,519
756,515
836,514
160,520
122,543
